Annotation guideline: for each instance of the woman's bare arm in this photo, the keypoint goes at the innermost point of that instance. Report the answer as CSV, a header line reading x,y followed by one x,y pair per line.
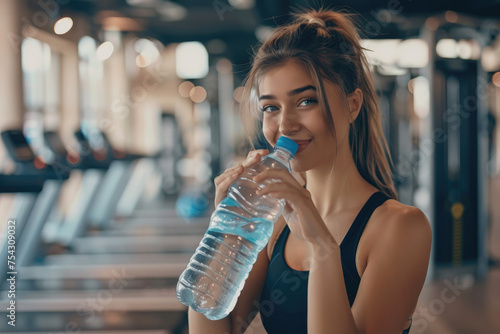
x,y
389,288
198,324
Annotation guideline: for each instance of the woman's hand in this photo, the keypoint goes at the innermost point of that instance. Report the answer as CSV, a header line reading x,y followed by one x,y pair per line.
x,y
299,212
223,181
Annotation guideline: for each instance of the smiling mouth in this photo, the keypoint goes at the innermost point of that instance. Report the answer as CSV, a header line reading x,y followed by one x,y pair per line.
x,y
302,144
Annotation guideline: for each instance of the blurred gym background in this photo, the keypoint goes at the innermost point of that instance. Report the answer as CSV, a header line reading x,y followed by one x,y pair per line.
x,y
116,116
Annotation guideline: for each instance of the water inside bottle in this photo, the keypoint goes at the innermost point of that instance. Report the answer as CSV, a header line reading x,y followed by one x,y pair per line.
x,y
216,274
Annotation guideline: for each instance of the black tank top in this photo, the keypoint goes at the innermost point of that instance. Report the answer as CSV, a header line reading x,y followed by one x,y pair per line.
x,y
283,303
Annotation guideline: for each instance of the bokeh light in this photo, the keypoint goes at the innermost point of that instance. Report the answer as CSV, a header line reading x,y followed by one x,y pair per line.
x,y
63,25
105,50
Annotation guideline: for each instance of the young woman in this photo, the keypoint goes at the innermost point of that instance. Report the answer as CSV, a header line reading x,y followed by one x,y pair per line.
x,y
346,256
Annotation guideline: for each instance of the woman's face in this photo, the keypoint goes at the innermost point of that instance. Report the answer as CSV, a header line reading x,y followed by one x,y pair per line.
x,y
288,100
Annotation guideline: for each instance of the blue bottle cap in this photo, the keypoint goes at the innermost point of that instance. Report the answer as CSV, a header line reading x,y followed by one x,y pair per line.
x,y
287,144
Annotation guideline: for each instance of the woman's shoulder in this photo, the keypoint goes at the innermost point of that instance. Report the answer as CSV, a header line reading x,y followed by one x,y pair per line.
x,y
393,210
400,221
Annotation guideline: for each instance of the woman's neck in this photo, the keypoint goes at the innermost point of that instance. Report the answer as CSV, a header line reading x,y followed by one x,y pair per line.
x,y
342,188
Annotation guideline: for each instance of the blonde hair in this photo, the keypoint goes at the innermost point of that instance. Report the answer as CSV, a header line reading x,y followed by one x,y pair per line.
x,y
327,44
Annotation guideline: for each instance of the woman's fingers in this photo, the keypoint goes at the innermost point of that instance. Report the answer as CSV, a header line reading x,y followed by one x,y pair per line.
x,y
219,179
280,189
223,181
223,186
254,156
229,179
275,175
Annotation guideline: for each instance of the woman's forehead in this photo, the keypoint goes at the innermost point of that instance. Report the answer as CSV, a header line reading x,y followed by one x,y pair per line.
x,y
287,66
287,78
284,77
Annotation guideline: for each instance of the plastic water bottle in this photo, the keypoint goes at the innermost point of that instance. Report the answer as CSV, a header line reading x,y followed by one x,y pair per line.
x,y
239,229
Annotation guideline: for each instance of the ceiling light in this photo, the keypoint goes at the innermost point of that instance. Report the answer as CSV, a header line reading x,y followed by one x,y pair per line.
x,y
142,2
432,23
191,59
468,49
171,11
451,16
105,50
263,32
490,59
242,4
496,79
390,70
148,52
381,51
185,88
119,23
63,25
447,48
412,53
198,94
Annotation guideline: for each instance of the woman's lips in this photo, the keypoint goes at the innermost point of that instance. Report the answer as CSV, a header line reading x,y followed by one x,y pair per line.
x,y
302,144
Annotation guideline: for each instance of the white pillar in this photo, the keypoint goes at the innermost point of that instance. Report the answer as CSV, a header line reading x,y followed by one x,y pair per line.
x,y
11,85
120,99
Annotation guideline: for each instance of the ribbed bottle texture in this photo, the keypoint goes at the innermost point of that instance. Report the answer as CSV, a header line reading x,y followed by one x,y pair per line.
x,y
216,274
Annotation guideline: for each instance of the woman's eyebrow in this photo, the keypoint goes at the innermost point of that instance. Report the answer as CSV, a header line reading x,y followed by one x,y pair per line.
x,y
290,93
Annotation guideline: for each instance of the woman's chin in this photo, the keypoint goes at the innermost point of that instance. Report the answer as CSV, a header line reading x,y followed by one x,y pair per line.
x,y
298,166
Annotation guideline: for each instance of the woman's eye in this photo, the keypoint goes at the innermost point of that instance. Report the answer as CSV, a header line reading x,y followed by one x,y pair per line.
x,y
307,102
268,108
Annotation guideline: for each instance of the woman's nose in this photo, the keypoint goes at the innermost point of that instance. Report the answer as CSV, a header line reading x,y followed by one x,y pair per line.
x,y
289,123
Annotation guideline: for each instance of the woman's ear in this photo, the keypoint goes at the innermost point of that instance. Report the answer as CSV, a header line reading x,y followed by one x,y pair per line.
x,y
355,101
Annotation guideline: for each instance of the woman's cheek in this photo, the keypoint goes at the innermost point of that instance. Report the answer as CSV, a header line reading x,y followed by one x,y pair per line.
x,y
269,133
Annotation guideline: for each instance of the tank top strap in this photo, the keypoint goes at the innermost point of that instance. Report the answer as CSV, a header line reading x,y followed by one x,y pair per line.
x,y
350,242
279,246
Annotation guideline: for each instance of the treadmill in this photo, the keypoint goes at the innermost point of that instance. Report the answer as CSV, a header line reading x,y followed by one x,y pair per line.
x,y
138,287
